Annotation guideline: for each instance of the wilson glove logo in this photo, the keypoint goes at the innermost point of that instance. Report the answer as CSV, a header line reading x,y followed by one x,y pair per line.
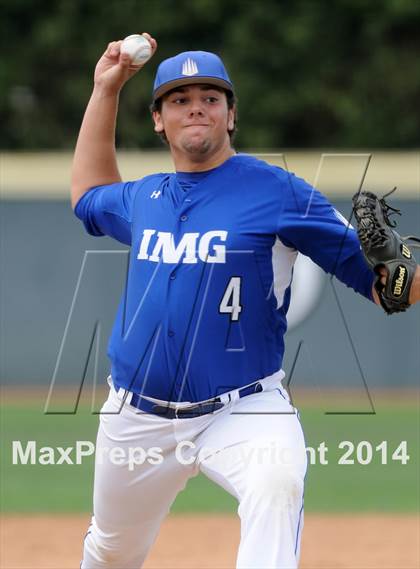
x,y
190,248
399,280
405,251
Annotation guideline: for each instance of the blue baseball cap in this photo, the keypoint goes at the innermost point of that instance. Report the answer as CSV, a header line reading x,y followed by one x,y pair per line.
x,y
190,67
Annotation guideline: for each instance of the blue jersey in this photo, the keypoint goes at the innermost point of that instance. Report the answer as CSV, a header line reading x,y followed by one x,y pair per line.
x,y
210,269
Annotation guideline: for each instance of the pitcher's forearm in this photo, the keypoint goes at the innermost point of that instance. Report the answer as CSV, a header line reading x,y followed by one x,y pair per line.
x,y
95,160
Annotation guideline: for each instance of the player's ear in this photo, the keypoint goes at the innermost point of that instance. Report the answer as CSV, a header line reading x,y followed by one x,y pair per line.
x,y
231,118
157,119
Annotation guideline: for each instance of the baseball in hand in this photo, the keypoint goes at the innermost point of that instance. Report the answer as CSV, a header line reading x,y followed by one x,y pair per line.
x,y
138,48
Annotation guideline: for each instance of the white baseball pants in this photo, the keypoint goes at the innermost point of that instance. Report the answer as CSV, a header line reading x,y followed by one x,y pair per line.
x,y
254,448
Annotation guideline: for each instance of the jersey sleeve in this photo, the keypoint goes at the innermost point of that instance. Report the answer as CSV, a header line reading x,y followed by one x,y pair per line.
x,y
107,210
310,224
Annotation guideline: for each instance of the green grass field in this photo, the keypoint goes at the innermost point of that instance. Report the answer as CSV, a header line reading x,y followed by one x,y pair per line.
x,y
333,487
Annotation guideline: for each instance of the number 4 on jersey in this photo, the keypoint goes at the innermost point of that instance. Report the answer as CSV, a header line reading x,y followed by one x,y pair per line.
x,y
231,301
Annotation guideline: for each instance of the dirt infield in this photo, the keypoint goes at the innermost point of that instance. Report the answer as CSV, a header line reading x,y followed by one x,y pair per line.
x,y
198,542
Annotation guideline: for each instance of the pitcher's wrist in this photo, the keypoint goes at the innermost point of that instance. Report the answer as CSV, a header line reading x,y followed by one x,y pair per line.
x,y
415,287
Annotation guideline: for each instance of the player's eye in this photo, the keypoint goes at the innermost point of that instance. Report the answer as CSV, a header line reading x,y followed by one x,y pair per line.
x,y
212,99
179,100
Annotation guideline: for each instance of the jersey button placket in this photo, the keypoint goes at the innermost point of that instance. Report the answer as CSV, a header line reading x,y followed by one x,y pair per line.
x,y
170,332
183,218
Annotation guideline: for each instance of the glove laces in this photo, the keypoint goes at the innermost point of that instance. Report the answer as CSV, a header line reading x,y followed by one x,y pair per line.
x,y
371,232
387,210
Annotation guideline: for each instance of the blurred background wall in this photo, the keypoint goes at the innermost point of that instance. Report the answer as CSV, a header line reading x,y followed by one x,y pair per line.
x,y
324,85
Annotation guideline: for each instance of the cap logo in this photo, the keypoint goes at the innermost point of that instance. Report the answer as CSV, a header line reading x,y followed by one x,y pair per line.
x,y
189,67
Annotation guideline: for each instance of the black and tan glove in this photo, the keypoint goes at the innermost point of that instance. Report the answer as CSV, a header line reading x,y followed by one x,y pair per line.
x,y
384,248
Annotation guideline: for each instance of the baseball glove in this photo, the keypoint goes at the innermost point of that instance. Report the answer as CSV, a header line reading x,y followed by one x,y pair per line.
x,y
384,248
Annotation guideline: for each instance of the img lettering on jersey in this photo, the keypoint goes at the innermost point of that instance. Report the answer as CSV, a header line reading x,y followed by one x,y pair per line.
x,y
159,246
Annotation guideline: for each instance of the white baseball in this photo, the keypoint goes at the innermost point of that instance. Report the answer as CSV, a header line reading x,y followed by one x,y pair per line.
x,y
138,48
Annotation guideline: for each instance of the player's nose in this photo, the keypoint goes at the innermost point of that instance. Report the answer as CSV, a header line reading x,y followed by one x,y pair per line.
x,y
196,107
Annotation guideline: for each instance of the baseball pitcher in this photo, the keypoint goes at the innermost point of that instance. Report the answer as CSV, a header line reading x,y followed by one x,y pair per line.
x,y
197,346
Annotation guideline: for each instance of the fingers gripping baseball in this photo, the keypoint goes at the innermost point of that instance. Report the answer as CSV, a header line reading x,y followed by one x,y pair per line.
x,y
115,67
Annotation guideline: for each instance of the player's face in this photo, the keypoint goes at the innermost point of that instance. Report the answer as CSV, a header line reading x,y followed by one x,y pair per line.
x,y
196,120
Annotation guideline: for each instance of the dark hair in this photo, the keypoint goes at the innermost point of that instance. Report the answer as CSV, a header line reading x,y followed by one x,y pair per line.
x,y
156,106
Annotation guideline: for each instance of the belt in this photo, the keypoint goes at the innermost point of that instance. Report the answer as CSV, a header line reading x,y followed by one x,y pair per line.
x,y
192,411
